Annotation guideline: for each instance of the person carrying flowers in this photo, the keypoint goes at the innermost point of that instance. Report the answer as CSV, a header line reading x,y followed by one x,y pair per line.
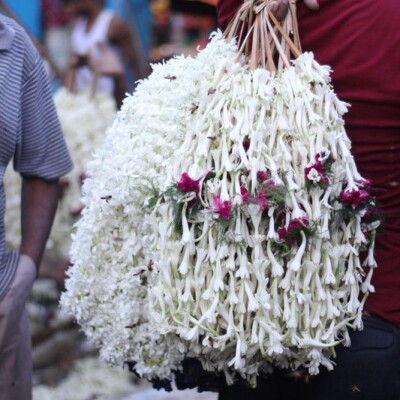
x,y
359,40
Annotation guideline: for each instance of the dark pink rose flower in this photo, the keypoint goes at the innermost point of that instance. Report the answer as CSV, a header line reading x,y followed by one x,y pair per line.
x,y
263,176
262,200
291,233
246,144
187,184
317,166
325,180
245,194
307,171
222,207
297,223
355,197
282,232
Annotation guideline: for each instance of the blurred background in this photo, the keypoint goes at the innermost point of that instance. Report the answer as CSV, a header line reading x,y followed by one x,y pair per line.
x,y
159,28
66,366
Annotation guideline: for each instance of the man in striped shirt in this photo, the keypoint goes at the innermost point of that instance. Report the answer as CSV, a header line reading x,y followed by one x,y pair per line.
x,y
30,134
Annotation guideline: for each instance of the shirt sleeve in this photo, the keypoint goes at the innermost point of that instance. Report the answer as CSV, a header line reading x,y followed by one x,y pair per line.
x,y
41,151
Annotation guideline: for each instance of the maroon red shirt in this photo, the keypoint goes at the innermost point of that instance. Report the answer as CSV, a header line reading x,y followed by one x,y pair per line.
x,y
360,40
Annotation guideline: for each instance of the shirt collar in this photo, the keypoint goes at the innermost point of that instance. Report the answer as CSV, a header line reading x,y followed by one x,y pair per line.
x,y
6,35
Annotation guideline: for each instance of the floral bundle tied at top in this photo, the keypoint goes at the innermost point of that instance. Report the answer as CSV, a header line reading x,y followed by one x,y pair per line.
x,y
266,229
224,218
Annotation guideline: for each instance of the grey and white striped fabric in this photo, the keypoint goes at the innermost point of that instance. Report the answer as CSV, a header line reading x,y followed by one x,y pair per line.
x,y
29,129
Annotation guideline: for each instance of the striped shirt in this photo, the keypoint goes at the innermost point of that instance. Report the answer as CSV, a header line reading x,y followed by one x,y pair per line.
x,y
29,128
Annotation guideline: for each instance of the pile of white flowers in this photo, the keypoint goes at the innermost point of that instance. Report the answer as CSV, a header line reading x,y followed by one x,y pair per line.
x,y
84,120
114,247
89,378
224,220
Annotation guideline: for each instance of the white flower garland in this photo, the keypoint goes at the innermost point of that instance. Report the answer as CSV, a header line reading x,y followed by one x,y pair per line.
x,y
250,257
89,378
113,247
84,121
263,225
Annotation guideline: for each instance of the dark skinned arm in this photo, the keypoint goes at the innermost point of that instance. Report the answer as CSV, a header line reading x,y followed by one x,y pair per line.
x,y
119,35
109,64
39,200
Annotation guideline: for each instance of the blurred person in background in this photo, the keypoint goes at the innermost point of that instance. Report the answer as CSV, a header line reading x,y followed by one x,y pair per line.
x,y
137,15
56,31
100,43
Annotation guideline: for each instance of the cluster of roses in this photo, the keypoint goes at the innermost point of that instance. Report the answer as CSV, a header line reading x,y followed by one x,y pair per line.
x,y
268,192
318,172
291,234
353,201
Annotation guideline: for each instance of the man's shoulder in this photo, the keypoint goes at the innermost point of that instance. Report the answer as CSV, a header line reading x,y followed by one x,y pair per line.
x,y
21,50
16,37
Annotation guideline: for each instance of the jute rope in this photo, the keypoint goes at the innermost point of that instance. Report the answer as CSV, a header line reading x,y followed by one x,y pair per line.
x,y
264,41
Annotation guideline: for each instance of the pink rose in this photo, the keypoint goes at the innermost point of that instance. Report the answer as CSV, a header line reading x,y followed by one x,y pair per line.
x,y
222,207
355,197
282,232
245,194
297,223
271,183
187,184
262,200
263,176
325,180
290,233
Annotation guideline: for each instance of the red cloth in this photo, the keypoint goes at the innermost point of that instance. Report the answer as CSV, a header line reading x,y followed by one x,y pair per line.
x,y
359,40
226,9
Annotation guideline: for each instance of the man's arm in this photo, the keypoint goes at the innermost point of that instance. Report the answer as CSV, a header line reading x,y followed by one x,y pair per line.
x,y
110,64
39,200
120,36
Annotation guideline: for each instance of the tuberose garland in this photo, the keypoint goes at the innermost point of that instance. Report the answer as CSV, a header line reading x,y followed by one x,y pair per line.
x,y
225,219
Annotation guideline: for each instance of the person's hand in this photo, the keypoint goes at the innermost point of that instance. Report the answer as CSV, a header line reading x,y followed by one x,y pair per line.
x,y
280,7
106,62
311,4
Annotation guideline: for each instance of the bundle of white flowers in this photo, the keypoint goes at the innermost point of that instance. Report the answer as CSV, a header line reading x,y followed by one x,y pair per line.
x,y
114,247
84,120
224,215
265,217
